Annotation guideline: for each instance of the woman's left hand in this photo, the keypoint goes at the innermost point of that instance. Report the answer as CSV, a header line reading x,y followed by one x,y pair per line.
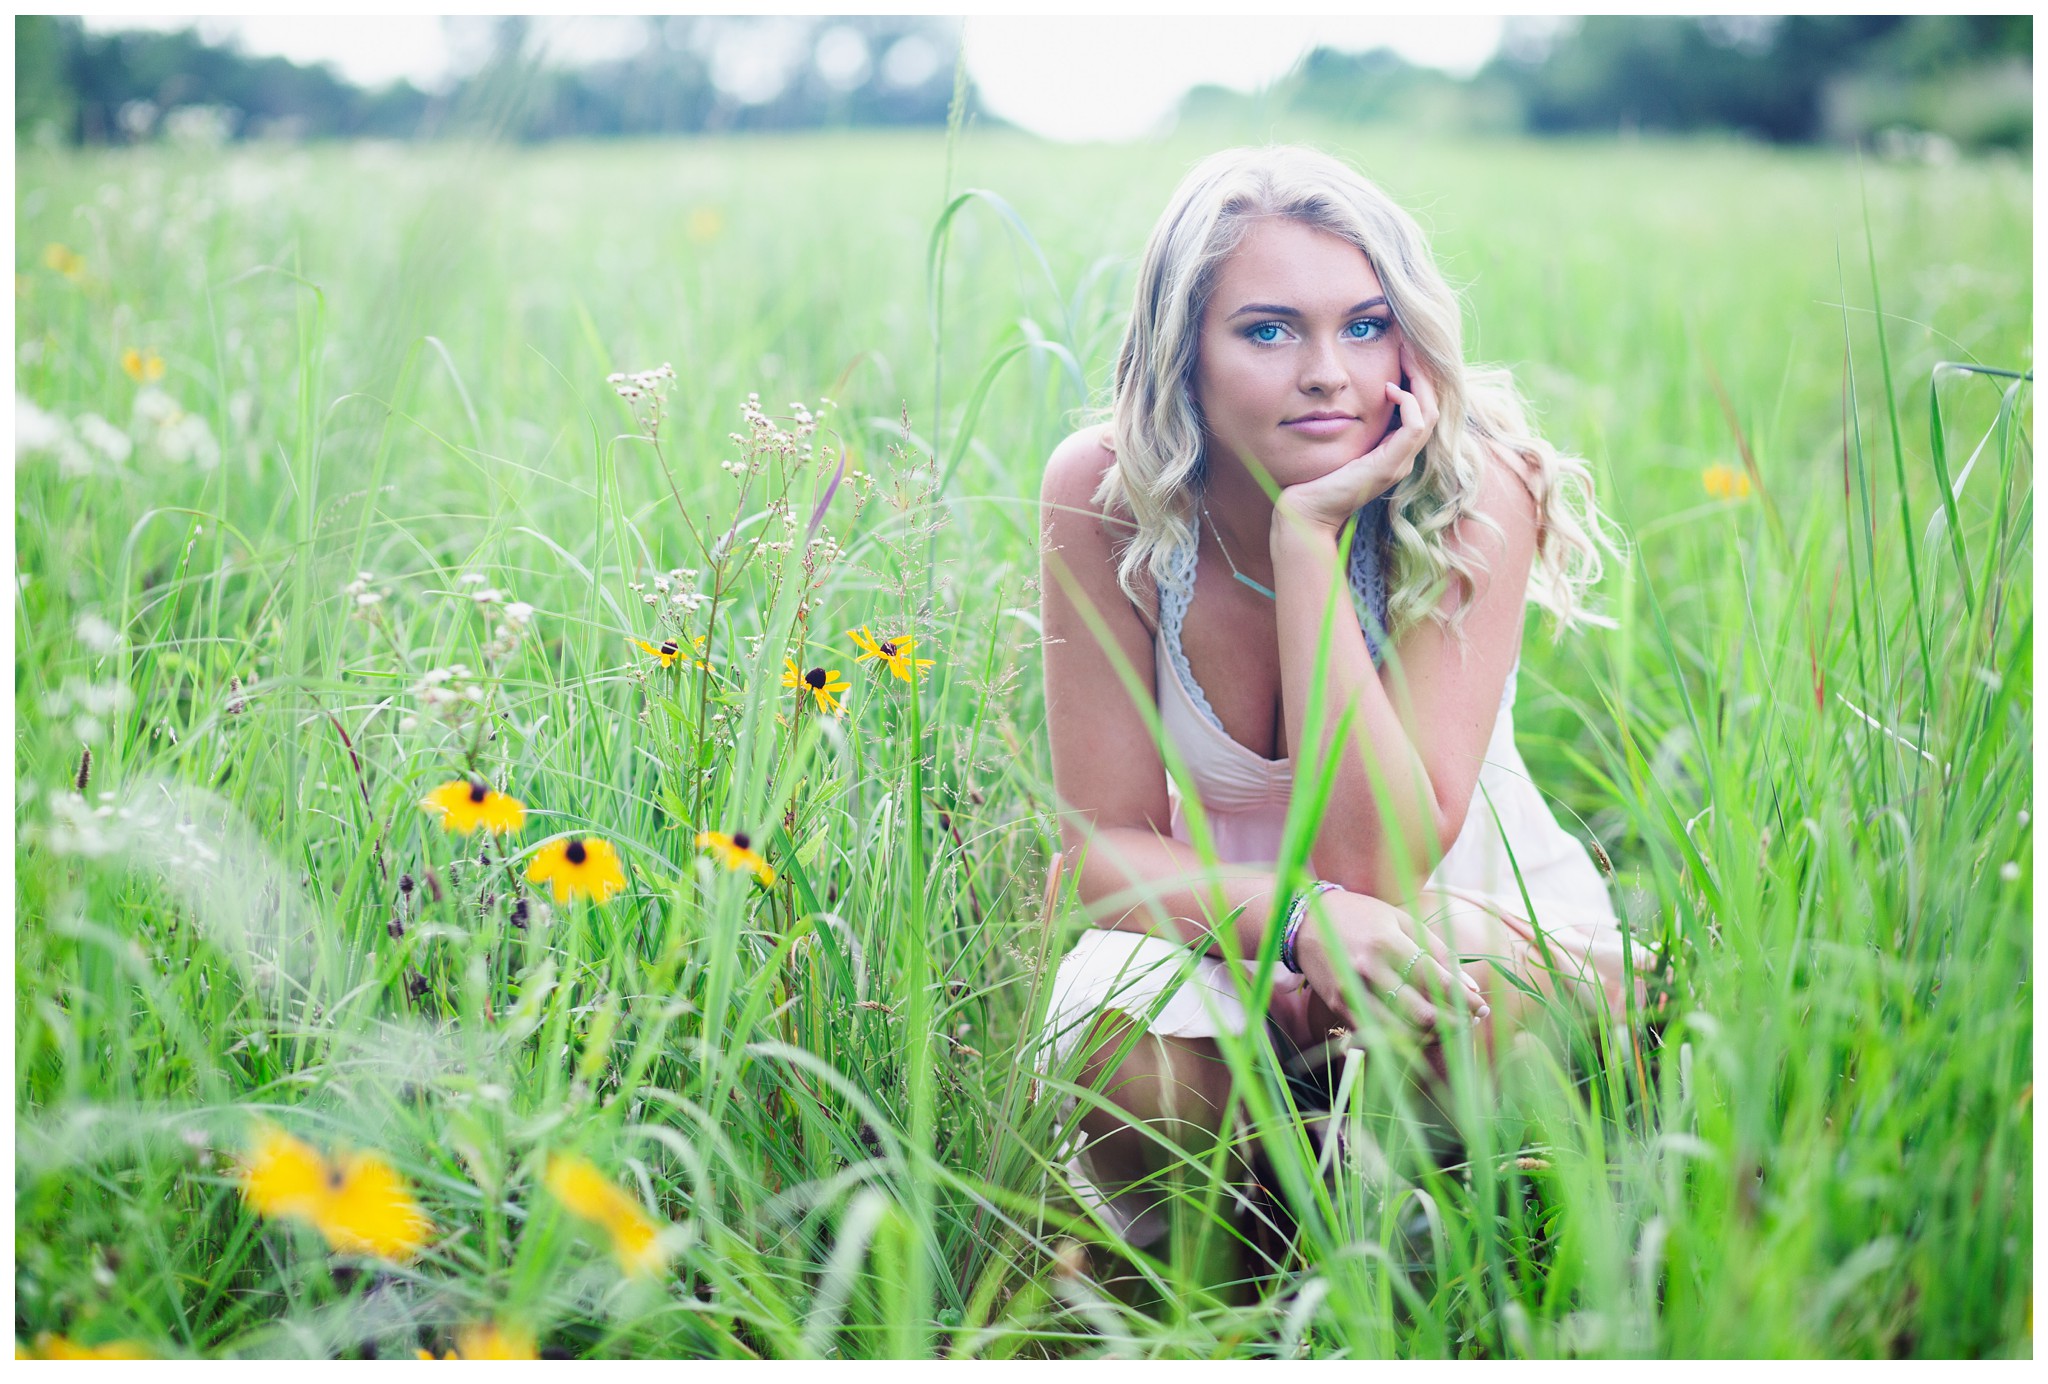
x,y
1329,501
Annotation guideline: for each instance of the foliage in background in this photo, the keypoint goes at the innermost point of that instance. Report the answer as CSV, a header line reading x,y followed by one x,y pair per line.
x,y
1844,79
126,86
298,429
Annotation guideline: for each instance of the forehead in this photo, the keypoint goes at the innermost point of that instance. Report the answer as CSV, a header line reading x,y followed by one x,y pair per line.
x,y
1287,263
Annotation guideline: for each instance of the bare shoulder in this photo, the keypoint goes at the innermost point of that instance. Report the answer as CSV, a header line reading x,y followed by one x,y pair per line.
x,y
1509,478
1507,496
1075,470
1087,536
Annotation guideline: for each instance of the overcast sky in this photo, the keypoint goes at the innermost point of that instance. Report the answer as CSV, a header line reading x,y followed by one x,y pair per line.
x,y
1062,77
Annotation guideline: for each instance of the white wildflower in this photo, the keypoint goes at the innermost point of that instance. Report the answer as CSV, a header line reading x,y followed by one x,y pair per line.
x,y
37,432
96,634
103,437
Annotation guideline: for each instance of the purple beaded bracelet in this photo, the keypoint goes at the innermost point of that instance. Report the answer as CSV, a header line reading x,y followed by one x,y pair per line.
x,y
1297,913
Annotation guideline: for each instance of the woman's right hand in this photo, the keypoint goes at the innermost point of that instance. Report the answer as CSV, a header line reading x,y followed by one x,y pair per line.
x,y
1375,942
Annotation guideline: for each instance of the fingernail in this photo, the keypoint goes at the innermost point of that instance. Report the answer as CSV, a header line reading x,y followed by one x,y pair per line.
x,y
1482,1011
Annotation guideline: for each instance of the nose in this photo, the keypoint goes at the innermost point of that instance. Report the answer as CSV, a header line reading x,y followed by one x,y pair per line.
x,y
1322,372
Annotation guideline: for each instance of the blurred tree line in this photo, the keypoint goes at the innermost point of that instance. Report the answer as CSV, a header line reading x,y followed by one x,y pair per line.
x,y
1847,78
687,74
1782,78
1795,78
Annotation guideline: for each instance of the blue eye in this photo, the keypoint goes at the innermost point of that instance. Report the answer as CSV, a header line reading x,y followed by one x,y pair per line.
x,y
1266,333
1367,328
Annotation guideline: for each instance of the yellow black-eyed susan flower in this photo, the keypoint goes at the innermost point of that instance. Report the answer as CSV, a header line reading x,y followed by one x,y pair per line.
x,y
489,1341
64,260
736,852
894,652
49,1346
468,803
824,685
144,367
588,1193
356,1199
668,651
578,867
1724,482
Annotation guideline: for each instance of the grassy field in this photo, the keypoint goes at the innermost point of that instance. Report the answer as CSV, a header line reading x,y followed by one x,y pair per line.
x,y
324,501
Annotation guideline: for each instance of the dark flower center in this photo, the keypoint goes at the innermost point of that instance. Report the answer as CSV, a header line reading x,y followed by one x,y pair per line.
x,y
742,840
816,678
333,1177
478,789
668,648
575,854
888,648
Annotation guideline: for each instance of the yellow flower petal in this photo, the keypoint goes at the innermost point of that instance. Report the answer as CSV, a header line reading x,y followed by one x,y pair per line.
x,y
466,804
369,1211
894,651
635,1235
358,1201
1725,482
53,1347
490,1341
578,866
281,1176
736,852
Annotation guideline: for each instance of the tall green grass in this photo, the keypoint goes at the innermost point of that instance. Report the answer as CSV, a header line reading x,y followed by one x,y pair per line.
x,y
1805,749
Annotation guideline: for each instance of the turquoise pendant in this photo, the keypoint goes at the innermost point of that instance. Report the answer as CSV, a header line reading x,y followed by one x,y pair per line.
x,y
1265,591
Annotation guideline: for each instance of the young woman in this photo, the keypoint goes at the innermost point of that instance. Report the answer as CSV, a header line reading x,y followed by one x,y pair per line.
x,y
1294,361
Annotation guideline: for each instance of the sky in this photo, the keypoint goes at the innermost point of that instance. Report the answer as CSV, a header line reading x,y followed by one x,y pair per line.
x,y
1064,77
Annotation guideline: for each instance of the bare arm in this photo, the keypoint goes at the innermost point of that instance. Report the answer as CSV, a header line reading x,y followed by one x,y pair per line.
x,y
1115,817
1410,766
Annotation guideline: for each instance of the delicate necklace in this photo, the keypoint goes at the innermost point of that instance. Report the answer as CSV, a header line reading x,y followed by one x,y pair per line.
x,y
1265,591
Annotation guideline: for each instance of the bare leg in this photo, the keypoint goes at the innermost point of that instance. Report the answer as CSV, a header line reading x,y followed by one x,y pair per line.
x,y
1180,1089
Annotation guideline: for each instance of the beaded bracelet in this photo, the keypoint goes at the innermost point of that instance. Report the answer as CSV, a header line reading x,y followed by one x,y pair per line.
x,y
1297,912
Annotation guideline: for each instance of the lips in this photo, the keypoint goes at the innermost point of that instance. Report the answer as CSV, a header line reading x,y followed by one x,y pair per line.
x,y
1320,424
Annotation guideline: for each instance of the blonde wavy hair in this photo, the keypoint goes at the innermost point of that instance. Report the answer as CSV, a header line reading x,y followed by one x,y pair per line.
x,y
1156,421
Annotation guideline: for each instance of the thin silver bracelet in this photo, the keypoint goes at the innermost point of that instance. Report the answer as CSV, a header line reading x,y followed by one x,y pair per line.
x,y
1297,911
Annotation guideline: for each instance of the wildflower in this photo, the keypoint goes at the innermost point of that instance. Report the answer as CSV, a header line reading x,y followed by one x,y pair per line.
x,y
357,1200
52,1347
894,652
669,651
178,435
635,1235
97,635
104,438
704,223
489,1341
736,852
144,366
1725,482
64,260
585,865
466,804
825,687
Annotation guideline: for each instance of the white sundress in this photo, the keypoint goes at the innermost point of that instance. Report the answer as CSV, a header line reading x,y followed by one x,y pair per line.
x,y
1244,797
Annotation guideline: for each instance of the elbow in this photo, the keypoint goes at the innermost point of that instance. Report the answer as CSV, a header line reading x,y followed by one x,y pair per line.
x,y
1399,863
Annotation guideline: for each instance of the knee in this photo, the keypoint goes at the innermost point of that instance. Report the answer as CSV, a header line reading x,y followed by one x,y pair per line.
x,y
1180,1085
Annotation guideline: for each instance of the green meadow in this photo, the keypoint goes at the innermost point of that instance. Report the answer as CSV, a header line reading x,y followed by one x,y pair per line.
x,y
324,501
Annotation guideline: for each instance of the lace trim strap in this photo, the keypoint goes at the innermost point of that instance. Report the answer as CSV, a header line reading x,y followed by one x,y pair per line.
x,y
1176,593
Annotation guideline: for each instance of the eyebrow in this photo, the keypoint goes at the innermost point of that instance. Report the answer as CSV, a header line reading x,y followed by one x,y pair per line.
x,y
1280,310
